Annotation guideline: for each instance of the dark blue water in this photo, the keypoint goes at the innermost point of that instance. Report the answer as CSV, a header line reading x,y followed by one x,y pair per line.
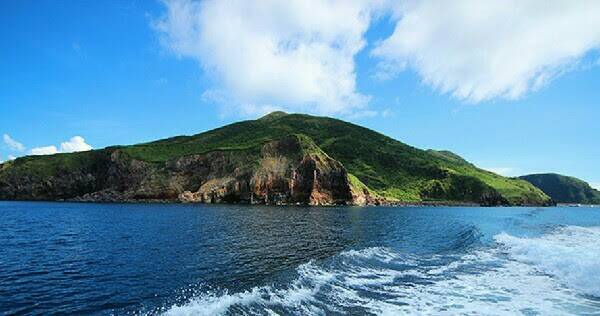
x,y
67,258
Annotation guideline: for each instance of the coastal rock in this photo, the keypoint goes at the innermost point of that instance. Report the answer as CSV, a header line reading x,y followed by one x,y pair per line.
x,y
287,173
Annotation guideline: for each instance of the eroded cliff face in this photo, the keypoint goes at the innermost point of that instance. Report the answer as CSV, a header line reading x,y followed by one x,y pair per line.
x,y
287,172
291,170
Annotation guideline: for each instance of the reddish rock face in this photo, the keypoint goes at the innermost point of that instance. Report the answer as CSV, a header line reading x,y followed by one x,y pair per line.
x,y
285,174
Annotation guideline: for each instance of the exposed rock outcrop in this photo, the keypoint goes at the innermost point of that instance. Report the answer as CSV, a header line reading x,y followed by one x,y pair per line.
x,y
288,172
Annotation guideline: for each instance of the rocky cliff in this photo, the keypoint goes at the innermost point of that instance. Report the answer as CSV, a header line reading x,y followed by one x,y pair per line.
x,y
291,170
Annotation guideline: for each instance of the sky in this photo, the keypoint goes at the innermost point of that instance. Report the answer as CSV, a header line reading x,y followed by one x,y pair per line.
x,y
512,86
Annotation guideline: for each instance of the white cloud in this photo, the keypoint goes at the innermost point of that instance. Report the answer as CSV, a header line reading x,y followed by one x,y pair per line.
x,y
503,171
478,50
76,143
387,113
596,185
13,144
230,106
10,158
46,150
298,54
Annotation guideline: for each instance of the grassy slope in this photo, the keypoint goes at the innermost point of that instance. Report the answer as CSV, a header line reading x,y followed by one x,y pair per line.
x,y
52,165
387,166
564,189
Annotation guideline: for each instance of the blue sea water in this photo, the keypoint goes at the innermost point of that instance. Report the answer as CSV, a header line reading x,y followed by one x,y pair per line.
x,y
69,258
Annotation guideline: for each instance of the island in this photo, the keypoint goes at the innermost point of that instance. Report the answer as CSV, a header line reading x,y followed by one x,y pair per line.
x,y
282,159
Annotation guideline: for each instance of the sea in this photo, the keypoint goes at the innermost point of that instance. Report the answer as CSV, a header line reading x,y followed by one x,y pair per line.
x,y
193,259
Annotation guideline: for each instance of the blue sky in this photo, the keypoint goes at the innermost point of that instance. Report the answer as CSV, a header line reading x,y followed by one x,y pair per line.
x,y
124,72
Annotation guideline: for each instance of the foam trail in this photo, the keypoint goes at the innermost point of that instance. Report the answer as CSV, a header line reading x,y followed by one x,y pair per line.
x,y
211,304
571,254
549,275
296,296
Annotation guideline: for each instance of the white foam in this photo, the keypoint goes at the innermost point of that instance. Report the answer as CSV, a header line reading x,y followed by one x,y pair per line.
x,y
211,304
508,288
297,296
544,275
377,253
571,254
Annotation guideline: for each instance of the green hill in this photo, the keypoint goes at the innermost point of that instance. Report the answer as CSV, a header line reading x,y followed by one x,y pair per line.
x,y
564,189
377,165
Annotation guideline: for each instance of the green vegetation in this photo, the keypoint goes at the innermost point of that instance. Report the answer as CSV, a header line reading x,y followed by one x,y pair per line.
x,y
52,165
564,189
359,186
383,165
448,155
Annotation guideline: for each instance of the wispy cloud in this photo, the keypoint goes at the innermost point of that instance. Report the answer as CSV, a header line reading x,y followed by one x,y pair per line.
x,y
232,107
10,157
484,49
503,171
13,144
76,47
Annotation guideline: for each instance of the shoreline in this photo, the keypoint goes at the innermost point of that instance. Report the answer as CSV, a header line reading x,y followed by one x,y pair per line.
x,y
388,204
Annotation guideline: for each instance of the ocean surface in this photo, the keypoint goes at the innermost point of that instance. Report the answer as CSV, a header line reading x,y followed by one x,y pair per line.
x,y
69,258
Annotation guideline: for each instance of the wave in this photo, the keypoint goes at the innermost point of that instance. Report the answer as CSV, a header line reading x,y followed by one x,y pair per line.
x,y
571,254
557,273
292,297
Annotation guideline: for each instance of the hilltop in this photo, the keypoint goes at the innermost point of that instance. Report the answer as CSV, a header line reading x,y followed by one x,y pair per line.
x,y
564,189
278,159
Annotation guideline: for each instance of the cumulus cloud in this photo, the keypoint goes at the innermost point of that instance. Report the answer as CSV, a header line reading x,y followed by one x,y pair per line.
x,y
76,143
46,150
13,144
298,54
595,185
478,50
225,101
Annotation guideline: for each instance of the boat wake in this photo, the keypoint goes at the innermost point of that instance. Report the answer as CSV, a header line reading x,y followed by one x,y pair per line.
x,y
571,254
558,273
